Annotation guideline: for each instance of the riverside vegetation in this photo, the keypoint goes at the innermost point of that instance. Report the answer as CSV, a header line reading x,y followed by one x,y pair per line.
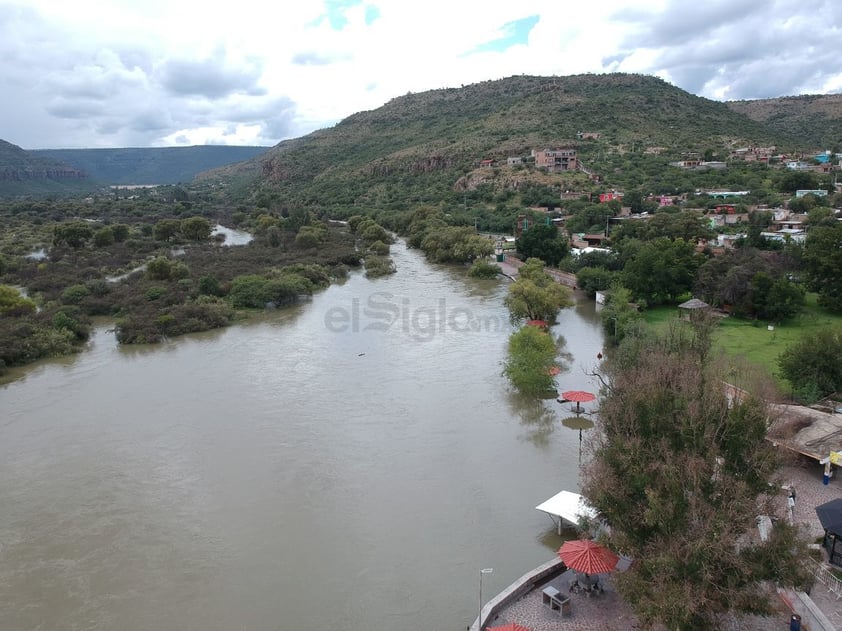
x,y
153,266
415,167
677,471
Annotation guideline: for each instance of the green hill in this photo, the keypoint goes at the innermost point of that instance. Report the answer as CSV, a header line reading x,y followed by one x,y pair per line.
x,y
22,173
150,165
814,121
430,144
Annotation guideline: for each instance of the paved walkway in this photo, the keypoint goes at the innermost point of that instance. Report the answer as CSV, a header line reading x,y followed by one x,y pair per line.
x,y
509,267
609,612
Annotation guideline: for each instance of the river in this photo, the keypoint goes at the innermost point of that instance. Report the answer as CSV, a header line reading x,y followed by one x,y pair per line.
x,y
349,463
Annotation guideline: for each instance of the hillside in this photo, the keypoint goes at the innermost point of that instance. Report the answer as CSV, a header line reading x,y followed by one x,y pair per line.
x,y
424,143
150,165
24,173
815,121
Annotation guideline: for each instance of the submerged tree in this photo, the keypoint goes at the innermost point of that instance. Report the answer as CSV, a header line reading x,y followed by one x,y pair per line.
x,y
532,354
535,295
680,471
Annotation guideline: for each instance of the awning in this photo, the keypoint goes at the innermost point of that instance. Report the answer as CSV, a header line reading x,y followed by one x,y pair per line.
x,y
830,515
567,506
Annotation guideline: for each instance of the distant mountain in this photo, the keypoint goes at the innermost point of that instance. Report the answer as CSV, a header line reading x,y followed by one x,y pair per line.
x,y
813,120
430,143
152,165
21,172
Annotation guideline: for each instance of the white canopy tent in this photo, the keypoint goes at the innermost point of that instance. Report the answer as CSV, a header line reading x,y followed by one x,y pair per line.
x,y
567,507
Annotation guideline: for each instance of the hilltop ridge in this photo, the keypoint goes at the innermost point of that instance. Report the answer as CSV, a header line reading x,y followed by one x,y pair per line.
x,y
432,142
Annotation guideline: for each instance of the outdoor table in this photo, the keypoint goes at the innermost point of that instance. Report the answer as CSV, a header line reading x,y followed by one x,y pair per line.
x,y
552,597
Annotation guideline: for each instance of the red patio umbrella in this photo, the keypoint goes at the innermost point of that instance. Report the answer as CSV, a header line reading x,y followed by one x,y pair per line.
x,y
589,557
512,626
579,396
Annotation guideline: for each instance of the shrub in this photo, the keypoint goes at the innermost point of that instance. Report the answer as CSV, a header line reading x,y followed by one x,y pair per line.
x,y
153,293
75,294
483,269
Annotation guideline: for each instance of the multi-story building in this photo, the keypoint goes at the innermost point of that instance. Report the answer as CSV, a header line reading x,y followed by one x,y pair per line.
x,y
556,159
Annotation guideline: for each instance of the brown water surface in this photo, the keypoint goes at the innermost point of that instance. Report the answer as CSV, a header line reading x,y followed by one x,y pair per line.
x,y
350,463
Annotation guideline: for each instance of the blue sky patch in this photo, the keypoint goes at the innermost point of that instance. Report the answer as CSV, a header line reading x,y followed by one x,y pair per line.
x,y
372,13
513,33
335,13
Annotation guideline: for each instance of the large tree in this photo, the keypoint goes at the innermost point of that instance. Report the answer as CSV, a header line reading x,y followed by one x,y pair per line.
x,y
812,363
455,244
536,295
661,270
822,261
543,242
532,354
680,471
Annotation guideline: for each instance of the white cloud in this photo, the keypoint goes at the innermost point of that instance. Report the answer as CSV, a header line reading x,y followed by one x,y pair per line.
x,y
165,72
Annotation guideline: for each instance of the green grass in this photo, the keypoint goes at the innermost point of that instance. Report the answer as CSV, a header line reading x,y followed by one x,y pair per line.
x,y
752,339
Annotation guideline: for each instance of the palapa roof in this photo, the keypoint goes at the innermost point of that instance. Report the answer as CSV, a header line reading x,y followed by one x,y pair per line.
x,y
694,303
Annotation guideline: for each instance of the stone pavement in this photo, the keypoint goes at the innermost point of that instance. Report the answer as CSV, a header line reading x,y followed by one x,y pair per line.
x,y
609,612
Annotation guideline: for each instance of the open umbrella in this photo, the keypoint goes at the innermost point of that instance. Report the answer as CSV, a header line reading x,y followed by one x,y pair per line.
x,y
578,396
512,626
589,557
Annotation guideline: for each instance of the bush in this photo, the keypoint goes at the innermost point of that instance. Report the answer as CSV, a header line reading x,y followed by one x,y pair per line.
x,y
483,269
75,294
376,266
248,292
159,268
153,293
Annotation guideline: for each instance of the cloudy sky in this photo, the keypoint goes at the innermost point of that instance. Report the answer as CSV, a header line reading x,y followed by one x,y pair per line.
x,y
117,73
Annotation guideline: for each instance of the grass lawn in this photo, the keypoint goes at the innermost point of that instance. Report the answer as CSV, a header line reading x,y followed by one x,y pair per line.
x,y
753,339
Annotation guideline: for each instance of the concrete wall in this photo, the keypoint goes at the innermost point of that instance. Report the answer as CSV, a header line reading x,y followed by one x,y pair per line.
x,y
517,590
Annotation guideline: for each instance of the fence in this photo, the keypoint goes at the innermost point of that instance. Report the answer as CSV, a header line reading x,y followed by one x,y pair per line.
x,y
826,578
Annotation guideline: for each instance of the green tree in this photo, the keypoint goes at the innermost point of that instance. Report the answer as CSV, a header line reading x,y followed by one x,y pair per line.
x,y
775,299
196,228
812,363
74,234
104,237
120,232
679,472
209,286
793,181
248,291
594,279
661,270
307,238
159,268
455,244
592,217
532,353
620,318
822,263
535,295
543,242
167,229
12,303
